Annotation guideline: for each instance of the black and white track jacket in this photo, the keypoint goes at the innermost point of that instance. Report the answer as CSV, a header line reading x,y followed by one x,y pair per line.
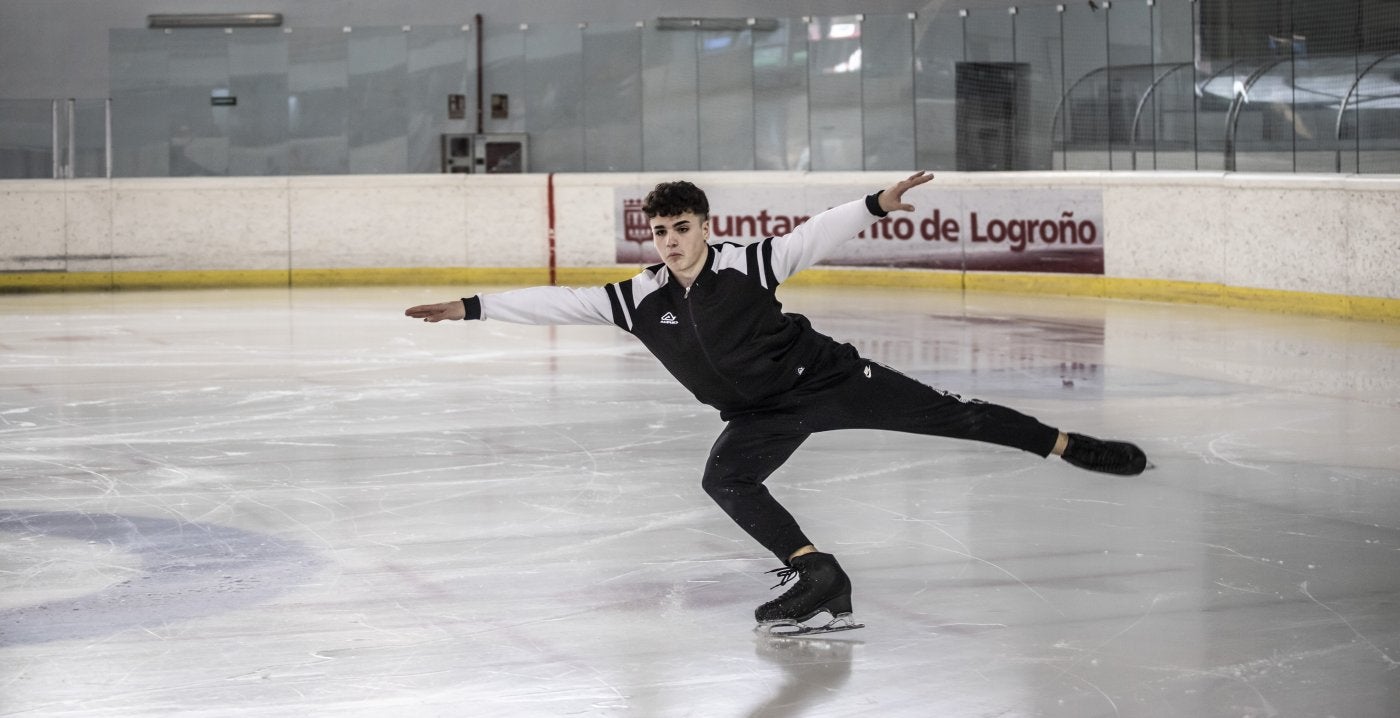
x,y
727,338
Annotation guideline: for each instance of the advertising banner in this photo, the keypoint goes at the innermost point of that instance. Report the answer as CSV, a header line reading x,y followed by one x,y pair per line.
x,y
1002,230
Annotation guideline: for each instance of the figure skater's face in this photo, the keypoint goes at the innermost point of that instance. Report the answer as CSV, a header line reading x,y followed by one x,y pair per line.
x,y
683,243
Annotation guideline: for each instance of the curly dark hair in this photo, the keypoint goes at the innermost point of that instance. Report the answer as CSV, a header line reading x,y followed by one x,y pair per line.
x,y
671,199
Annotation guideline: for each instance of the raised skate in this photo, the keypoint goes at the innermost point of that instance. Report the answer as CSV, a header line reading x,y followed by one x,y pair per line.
x,y
1108,457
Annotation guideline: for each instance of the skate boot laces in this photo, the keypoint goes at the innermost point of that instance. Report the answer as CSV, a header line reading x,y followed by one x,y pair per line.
x,y
785,575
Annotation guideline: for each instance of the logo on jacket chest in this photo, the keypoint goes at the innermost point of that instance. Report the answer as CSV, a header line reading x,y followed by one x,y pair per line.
x,y
669,318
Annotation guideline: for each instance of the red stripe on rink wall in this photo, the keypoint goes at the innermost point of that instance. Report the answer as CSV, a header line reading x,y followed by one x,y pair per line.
x,y
553,261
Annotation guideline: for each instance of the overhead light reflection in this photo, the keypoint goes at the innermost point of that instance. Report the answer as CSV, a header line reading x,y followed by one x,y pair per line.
x,y
842,30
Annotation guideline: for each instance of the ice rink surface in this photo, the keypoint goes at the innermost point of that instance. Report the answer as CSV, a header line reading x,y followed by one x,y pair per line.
x,y
301,503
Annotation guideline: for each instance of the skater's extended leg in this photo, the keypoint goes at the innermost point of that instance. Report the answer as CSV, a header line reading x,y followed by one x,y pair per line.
x,y
882,398
879,397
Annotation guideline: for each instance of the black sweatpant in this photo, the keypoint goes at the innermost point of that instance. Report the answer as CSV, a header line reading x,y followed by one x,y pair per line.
x,y
753,445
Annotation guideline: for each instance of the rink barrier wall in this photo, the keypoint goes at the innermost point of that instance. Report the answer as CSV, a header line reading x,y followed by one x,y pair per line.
x,y
1310,244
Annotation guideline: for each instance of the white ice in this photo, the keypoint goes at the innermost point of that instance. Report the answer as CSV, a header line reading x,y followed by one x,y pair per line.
x,y
299,502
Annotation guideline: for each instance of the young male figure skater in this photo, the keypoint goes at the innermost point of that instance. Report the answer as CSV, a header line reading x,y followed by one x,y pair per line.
x,y
709,313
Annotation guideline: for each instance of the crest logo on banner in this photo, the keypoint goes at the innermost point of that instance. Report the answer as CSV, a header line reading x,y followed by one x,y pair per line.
x,y
634,221
634,240
634,228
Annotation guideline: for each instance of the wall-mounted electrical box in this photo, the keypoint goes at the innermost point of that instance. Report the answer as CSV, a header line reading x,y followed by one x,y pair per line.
x,y
495,153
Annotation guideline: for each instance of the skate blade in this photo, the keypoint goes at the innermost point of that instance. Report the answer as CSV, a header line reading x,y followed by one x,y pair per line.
x,y
792,629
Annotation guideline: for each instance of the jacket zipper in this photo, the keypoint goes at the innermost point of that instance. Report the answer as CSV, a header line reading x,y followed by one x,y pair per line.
x,y
704,351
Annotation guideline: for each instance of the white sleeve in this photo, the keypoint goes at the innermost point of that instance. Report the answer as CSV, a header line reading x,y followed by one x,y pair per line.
x,y
816,238
548,305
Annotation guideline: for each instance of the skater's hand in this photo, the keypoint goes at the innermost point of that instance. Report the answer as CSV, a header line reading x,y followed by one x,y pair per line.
x,y
437,312
893,198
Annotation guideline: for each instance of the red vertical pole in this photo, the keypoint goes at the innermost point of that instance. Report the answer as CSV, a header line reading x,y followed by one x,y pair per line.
x,y
552,267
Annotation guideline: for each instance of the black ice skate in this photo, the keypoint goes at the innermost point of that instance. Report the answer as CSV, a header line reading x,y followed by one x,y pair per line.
x,y
821,587
1109,457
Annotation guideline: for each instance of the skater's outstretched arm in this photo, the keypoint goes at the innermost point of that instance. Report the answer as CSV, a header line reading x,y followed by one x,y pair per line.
x,y
816,238
533,305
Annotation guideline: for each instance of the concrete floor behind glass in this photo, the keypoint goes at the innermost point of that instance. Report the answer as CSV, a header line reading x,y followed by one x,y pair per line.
x,y
297,503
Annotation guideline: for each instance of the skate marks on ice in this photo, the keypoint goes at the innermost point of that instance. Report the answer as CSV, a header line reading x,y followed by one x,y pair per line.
x,y
186,570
